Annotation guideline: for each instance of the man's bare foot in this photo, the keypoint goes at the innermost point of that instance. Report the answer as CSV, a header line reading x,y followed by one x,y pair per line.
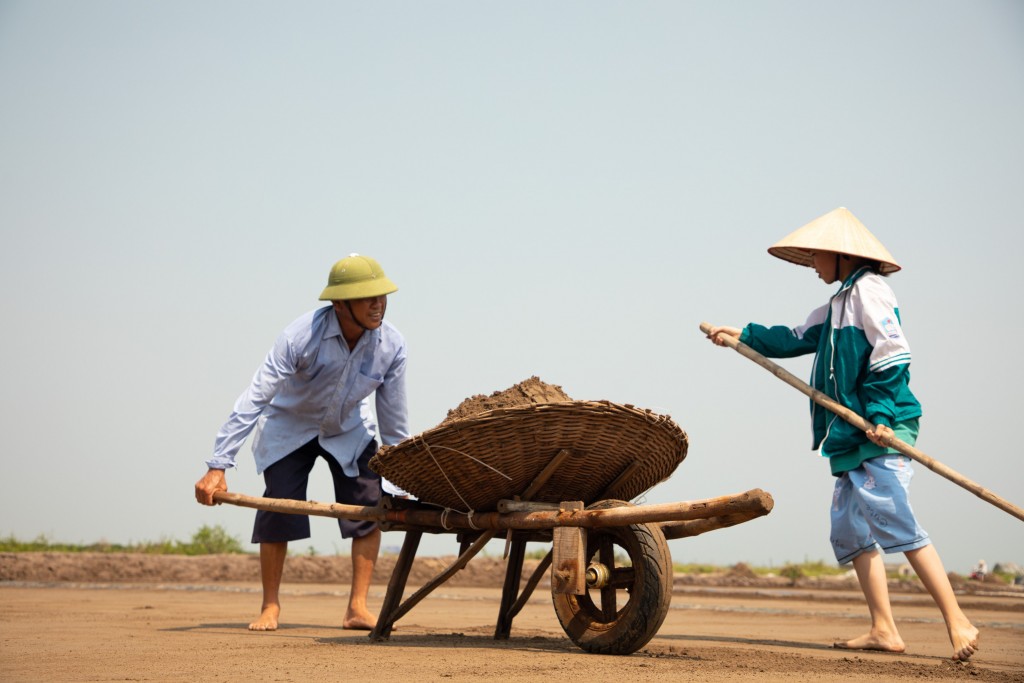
x,y
965,642
873,641
359,620
267,620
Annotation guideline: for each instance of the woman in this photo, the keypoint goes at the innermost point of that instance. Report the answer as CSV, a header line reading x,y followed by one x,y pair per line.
x,y
862,360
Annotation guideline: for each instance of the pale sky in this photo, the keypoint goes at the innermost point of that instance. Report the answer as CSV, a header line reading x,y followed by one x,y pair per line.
x,y
560,189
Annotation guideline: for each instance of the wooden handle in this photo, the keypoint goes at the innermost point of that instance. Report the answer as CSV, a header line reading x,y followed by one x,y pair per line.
x,y
859,422
755,502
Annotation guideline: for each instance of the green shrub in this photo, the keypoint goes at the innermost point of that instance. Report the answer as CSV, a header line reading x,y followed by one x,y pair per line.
x,y
206,541
793,572
821,568
212,541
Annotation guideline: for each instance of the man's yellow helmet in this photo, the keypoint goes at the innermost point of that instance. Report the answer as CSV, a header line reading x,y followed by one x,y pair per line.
x,y
356,277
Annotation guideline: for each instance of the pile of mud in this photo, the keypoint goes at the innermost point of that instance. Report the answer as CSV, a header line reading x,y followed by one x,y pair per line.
x,y
529,391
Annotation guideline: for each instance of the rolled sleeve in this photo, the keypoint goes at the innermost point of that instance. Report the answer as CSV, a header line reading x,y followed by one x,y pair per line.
x,y
392,403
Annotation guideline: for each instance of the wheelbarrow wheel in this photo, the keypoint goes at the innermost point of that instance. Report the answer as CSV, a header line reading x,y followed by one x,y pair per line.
x,y
622,612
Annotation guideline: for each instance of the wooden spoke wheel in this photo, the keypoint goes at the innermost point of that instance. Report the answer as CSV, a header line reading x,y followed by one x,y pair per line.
x,y
629,588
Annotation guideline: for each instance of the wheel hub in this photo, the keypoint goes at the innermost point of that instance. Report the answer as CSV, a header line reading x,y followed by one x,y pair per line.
x,y
598,575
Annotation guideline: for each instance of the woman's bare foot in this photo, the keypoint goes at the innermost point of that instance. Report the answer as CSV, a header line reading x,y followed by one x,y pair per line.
x,y
874,641
268,619
359,620
965,642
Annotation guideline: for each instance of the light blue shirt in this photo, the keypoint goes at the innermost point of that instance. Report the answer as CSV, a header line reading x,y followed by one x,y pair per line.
x,y
311,385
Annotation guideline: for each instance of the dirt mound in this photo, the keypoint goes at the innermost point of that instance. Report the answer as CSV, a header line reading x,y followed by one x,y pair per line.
x,y
481,572
202,569
532,390
741,570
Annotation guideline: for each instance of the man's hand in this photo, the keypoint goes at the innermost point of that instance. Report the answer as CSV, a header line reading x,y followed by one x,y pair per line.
x,y
211,482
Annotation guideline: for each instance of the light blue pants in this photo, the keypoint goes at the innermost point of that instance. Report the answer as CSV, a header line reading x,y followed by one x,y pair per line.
x,y
871,509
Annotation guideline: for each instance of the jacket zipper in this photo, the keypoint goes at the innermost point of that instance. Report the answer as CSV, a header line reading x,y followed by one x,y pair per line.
x,y
831,349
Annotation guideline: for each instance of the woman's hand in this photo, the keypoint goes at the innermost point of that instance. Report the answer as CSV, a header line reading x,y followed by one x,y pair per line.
x,y
880,435
716,334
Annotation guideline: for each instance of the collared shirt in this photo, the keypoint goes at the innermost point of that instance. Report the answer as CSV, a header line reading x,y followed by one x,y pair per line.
x,y
311,386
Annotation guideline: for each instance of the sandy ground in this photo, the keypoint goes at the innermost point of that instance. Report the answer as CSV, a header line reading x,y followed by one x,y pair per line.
x,y
163,627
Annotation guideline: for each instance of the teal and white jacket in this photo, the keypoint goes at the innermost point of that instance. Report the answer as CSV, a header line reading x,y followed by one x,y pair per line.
x,y
862,359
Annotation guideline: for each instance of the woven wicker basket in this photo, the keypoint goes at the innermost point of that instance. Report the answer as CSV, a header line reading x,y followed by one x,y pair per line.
x,y
471,464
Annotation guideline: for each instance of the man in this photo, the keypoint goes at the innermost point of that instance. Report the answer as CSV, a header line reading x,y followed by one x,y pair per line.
x,y
310,398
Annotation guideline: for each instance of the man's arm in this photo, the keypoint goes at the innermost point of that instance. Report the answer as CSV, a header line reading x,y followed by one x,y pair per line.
x,y
279,364
393,412
392,403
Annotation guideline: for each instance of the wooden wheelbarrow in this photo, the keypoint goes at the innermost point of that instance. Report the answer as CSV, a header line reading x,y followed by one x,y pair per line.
x,y
611,569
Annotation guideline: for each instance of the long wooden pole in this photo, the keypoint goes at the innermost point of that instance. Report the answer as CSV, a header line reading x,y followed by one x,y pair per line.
x,y
754,501
859,422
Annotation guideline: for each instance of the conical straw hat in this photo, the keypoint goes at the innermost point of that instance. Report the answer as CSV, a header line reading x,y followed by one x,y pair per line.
x,y
837,231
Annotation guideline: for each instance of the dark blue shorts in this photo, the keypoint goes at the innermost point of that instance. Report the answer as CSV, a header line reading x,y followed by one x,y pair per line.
x,y
287,478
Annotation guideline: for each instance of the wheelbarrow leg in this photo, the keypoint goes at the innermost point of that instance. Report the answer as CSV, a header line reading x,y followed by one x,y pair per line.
x,y
396,586
510,591
466,541
531,584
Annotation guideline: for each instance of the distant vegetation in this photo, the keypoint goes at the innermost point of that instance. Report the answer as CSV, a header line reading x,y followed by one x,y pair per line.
x,y
214,540
693,568
810,570
206,541
790,571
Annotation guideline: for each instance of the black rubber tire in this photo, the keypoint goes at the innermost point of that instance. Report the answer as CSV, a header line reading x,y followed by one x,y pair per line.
x,y
647,583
